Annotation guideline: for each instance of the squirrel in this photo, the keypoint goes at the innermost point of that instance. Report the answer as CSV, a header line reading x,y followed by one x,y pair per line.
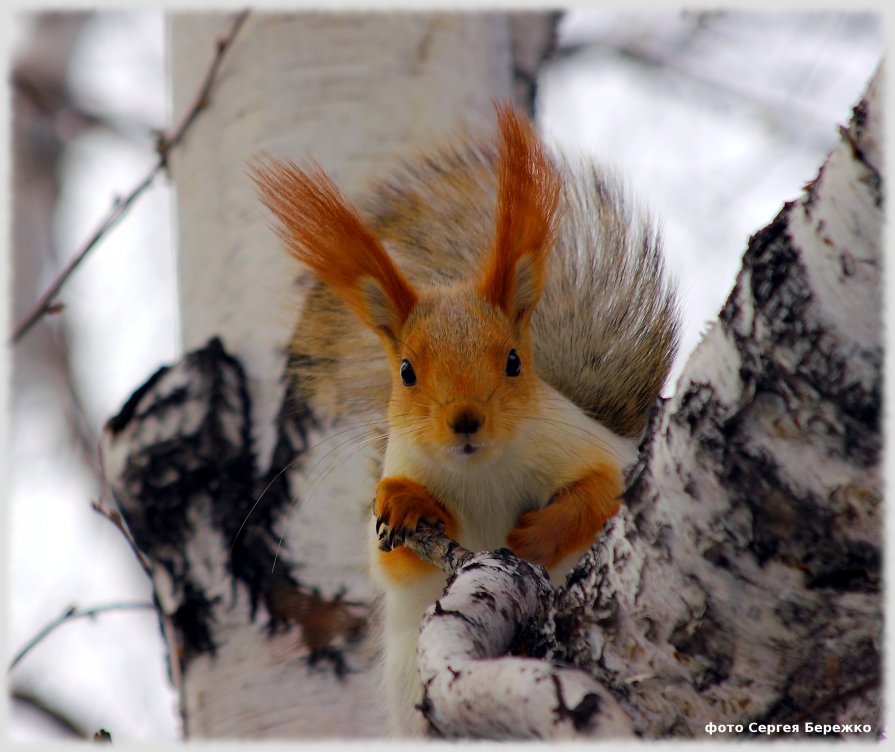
x,y
499,309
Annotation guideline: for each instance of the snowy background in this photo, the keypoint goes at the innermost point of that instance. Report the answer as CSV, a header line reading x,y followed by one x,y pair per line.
x,y
714,120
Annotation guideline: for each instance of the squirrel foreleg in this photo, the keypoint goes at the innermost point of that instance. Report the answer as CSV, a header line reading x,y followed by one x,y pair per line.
x,y
400,504
571,520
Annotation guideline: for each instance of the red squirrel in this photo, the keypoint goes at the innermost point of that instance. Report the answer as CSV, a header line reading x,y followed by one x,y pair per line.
x,y
524,326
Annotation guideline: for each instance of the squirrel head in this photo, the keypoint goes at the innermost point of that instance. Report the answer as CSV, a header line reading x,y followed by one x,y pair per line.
x,y
462,369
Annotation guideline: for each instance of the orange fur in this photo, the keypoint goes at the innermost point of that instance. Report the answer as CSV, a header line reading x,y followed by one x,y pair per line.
x,y
322,230
528,195
571,521
402,503
463,374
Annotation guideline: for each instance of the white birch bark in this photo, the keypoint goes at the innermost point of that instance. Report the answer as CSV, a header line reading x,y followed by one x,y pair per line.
x,y
262,573
740,585
496,602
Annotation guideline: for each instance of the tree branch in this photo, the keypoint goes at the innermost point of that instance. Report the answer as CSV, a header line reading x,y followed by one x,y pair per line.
x,y
72,612
435,548
120,206
57,717
473,684
496,604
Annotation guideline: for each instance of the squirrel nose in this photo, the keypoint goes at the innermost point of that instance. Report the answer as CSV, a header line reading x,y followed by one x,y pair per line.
x,y
466,423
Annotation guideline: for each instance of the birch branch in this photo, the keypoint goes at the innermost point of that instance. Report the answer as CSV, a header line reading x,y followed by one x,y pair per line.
x,y
493,603
70,613
435,548
471,687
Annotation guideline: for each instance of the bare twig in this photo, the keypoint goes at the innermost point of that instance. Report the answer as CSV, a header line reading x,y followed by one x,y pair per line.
x,y
60,719
121,205
435,548
72,612
51,102
166,144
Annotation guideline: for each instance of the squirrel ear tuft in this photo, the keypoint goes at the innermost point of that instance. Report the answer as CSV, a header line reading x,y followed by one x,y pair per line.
x,y
322,230
528,188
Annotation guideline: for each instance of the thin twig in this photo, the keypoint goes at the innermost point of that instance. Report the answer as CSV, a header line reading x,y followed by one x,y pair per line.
x,y
121,205
60,719
435,548
202,99
72,612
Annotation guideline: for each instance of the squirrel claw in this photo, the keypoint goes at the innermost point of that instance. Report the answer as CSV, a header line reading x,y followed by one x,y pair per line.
x,y
396,537
400,505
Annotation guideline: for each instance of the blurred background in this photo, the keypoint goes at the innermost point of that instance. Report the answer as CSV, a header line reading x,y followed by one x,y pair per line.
x,y
713,119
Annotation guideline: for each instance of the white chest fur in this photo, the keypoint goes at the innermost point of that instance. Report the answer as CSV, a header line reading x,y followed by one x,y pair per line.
x,y
488,495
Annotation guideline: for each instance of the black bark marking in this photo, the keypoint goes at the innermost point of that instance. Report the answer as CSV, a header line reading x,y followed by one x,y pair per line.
x,y
170,469
801,530
706,417
443,612
583,715
193,620
797,612
707,647
799,357
426,708
721,555
528,639
333,656
119,422
854,136
193,446
483,596
854,568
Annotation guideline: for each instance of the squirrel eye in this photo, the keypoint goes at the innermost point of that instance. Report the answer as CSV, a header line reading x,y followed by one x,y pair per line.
x,y
514,365
408,376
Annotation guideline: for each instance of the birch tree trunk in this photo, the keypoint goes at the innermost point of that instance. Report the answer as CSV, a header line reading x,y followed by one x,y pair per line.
x,y
738,592
250,508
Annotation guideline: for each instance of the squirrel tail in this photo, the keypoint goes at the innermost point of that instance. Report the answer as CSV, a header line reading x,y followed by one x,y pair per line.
x,y
608,325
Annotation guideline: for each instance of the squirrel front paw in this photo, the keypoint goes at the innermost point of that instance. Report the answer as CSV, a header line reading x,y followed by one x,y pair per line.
x,y
400,504
570,522
538,535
